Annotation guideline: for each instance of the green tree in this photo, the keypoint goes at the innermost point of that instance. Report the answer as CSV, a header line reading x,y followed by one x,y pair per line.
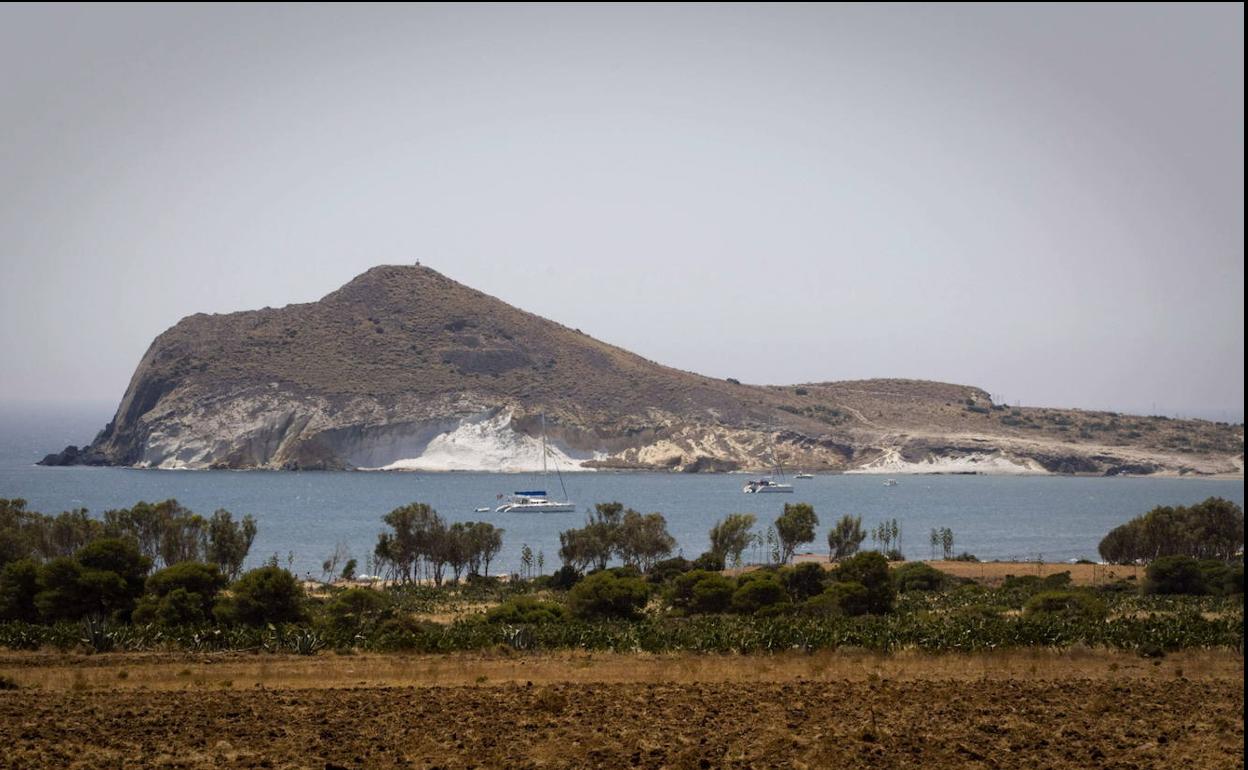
x,y
229,541
356,609
269,594
847,597
795,527
180,595
1212,529
758,592
607,595
803,581
19,582
731,536
118,557
643,540
845,538
870,569
699,591
1175,575
594,544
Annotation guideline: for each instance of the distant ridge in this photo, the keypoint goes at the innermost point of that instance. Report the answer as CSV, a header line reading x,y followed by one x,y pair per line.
x,y
405,368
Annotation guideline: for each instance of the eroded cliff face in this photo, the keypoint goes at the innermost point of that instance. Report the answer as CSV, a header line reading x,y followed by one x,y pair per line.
x,y
404,369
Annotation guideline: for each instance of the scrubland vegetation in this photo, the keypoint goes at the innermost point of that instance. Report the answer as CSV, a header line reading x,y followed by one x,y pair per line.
x,y
122,583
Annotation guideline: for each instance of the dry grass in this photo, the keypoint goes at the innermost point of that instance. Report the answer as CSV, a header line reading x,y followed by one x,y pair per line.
x,y
56,672
994,573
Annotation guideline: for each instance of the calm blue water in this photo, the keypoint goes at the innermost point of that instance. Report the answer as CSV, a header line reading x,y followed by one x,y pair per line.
x,y
1055,518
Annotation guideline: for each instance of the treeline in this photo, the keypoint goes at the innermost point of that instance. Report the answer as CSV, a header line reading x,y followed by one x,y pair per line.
x,y
1213,529
421,543
73,567
164,533
613,532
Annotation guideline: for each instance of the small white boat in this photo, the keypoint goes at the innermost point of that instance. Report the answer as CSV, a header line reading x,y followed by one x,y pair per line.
x,y
765,486
890,483
485,509
803,475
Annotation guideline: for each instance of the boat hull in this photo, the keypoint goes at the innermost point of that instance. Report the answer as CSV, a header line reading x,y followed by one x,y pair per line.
x,y
537,508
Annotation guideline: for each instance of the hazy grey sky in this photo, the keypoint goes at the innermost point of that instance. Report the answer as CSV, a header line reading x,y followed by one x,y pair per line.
x,y
1043,201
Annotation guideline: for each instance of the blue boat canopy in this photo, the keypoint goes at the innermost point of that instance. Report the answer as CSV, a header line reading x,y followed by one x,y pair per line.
x,y
532,493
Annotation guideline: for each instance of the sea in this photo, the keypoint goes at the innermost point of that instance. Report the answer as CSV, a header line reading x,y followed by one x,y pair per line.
x,y
304,516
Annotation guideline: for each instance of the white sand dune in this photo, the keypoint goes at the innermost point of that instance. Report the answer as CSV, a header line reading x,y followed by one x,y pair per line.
x,y
487,444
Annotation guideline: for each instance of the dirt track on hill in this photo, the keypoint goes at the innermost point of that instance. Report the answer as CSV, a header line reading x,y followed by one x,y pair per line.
x,y
1158,722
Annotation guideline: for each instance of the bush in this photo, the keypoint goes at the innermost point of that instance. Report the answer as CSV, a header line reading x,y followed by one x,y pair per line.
x,y
850,597
564,578
67,591
1234,584
120,557
608,595
19,582
917,576
407,633
702,592
356,608
1073,605
180,595
804,580
870,569
667,570
711,562
526,609
1175,575
825,605
265,595
758,591
965,556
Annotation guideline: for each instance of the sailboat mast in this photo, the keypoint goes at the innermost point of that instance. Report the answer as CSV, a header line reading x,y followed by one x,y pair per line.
x,y
543,446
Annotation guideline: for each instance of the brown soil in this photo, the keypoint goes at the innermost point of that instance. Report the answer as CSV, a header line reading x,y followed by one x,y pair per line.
x,y
1043,709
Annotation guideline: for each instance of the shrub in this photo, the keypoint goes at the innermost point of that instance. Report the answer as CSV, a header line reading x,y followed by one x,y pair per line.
x,y
1175,575
19,582
1074,605
668,569
917,576
180,595
804,580
265,595
711,562
1234,584
121,557
356,608
68,591
850,596
825,605
407,633
564,578
702,592
870,569
965,556
526,609
608,595
758,591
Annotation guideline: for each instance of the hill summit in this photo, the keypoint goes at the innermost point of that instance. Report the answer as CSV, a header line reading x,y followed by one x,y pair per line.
x,y
404,368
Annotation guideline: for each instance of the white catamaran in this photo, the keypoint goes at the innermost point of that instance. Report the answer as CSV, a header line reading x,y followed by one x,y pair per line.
x,y
766,485
536,500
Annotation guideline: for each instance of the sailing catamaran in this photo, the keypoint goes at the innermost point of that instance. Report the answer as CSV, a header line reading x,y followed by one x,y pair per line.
x,y
536,500
766,485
